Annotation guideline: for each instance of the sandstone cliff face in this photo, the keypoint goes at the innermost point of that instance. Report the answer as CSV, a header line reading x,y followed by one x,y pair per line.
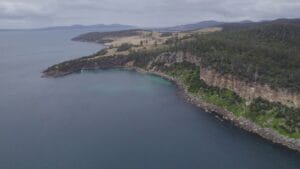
x,y
250,90
169,58
246,90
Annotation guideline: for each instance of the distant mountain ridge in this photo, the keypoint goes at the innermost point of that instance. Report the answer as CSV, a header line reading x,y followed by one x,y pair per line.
x,y
248,25
189,27
94,27
179,28
97,27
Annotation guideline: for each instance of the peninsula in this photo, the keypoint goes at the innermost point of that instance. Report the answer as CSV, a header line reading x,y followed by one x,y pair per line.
x,y
248,73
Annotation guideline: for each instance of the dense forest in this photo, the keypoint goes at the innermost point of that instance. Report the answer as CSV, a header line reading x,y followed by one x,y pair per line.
x,y
267,53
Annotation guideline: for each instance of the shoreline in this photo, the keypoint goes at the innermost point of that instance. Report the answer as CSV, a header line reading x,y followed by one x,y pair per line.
x,y
268,134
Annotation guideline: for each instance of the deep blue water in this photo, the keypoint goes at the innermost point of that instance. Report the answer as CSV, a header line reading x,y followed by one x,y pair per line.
x,y
109,119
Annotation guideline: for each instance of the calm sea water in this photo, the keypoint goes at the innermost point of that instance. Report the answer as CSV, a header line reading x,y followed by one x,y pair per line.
x,y
109,119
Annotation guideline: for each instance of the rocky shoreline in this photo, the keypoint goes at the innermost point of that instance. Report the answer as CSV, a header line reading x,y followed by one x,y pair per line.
x,y
241,122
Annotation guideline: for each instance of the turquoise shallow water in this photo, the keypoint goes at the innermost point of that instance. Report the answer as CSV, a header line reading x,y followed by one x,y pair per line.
x,y
110,119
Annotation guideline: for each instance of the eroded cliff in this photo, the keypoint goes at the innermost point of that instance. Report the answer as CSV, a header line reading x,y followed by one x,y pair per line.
x,y
250,90
246,90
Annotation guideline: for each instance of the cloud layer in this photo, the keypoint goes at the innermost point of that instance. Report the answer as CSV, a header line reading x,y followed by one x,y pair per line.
x,y
37,13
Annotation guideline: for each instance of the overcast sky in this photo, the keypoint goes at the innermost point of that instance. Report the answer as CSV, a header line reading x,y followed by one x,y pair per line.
x,y
42,13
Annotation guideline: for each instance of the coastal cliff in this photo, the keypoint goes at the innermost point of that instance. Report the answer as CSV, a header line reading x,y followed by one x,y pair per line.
x,y
250,90
246,90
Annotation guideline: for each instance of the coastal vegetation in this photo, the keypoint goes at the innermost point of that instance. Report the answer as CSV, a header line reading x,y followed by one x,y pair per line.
x,y
285,120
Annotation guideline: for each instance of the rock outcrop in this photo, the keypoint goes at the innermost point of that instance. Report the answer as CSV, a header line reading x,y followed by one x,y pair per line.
x,y
250,90
172,57
247,90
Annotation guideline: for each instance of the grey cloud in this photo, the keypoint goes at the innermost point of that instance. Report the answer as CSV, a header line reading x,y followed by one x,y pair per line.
x,y
37,13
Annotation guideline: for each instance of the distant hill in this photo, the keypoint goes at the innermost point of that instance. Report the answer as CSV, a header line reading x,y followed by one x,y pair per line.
x,y
98,27
105,37
248,25
189,27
